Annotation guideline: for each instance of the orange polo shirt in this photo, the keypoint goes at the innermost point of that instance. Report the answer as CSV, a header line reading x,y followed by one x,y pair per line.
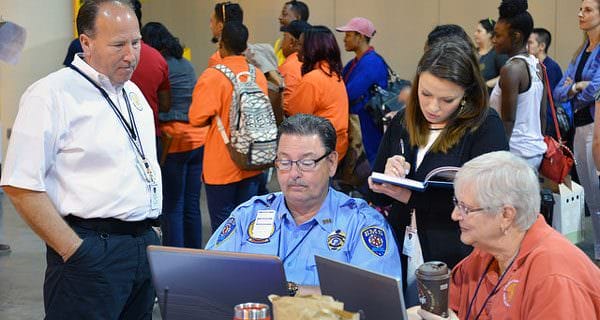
x,y
215,59
321,95
550,279
185,136
291,71
211,97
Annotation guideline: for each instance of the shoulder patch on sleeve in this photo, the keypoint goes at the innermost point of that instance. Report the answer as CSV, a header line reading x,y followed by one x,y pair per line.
x,y
227,231
374,238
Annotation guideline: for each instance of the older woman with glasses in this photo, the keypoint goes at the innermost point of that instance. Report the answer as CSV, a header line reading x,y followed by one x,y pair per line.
x,y
520,267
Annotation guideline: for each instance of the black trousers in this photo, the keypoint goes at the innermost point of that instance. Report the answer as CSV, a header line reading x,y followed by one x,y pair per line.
x,y
108,277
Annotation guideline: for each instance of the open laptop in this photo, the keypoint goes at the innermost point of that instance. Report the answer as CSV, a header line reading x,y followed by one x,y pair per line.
x,y
201,284
373,295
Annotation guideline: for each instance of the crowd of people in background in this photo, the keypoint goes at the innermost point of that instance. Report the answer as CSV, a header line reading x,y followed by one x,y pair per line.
x,y
478,103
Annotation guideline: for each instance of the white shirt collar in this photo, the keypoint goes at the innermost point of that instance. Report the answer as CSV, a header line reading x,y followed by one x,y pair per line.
x,y
98,77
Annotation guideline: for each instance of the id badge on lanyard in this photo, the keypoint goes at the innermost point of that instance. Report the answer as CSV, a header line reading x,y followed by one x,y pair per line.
x,y
147,173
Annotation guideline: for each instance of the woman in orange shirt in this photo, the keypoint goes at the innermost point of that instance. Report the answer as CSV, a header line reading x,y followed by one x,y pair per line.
x,y
321,91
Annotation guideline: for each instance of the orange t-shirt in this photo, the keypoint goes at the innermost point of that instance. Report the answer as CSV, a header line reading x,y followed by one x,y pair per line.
x,y
215,59
185,136
549,279
212,97
291,71
321,95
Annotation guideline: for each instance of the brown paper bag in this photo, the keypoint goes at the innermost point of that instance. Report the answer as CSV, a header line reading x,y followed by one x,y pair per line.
x,y
309,307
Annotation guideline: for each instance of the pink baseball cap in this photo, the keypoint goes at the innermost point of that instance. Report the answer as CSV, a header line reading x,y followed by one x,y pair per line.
x,y
358,24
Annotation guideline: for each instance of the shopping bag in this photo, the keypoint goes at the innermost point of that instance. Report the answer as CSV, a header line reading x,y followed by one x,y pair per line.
x,y
568,211
412,249
309,307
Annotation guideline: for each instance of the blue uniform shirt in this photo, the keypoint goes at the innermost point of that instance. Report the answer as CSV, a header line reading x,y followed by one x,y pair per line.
x,y
344,229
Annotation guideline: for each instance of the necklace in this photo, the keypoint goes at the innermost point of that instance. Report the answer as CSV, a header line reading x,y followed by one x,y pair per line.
x,y
494,290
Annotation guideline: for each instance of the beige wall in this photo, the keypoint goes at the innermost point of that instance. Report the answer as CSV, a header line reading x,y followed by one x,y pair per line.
x,y
402,27
49,31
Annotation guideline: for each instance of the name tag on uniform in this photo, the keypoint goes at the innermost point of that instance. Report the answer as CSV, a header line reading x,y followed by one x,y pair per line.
x,y
264,224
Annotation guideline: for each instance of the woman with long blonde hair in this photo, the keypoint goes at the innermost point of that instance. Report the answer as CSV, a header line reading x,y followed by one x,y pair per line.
x,y
578,86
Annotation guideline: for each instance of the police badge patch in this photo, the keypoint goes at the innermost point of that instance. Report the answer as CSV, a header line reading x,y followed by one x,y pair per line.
x,y
374,240
252,237
336,240
227,230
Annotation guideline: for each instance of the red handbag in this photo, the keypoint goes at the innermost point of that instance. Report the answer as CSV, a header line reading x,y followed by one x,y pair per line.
x,y
558,159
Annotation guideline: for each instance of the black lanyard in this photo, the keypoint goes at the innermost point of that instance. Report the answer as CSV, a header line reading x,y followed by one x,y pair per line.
x,y
132,131
494,290
281,226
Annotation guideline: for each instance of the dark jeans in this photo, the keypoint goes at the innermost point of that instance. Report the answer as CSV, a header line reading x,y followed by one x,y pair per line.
x,y
222,199
182,179
159,148
108,277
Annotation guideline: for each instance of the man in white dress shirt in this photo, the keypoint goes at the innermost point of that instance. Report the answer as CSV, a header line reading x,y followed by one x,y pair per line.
x,y
81,171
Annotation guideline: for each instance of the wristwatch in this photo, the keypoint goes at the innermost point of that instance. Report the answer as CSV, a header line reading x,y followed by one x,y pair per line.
x,y
574,88
292,288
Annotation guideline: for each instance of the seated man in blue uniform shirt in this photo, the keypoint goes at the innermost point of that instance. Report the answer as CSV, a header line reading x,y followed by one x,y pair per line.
x,y
308,217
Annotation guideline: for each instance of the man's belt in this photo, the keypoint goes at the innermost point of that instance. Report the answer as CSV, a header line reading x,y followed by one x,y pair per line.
x,y
112,225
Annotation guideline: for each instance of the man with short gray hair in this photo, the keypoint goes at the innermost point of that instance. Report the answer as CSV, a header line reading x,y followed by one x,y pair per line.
x,y
309,217
81,171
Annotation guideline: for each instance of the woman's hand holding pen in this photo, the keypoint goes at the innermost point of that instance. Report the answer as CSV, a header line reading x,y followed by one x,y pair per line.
x,y
395,166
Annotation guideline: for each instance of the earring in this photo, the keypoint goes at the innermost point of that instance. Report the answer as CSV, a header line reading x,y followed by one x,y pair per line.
x,y
462,105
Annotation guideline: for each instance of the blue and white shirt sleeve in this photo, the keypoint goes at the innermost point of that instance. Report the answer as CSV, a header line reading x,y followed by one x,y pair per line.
x,y
228,237
375,249
561,90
